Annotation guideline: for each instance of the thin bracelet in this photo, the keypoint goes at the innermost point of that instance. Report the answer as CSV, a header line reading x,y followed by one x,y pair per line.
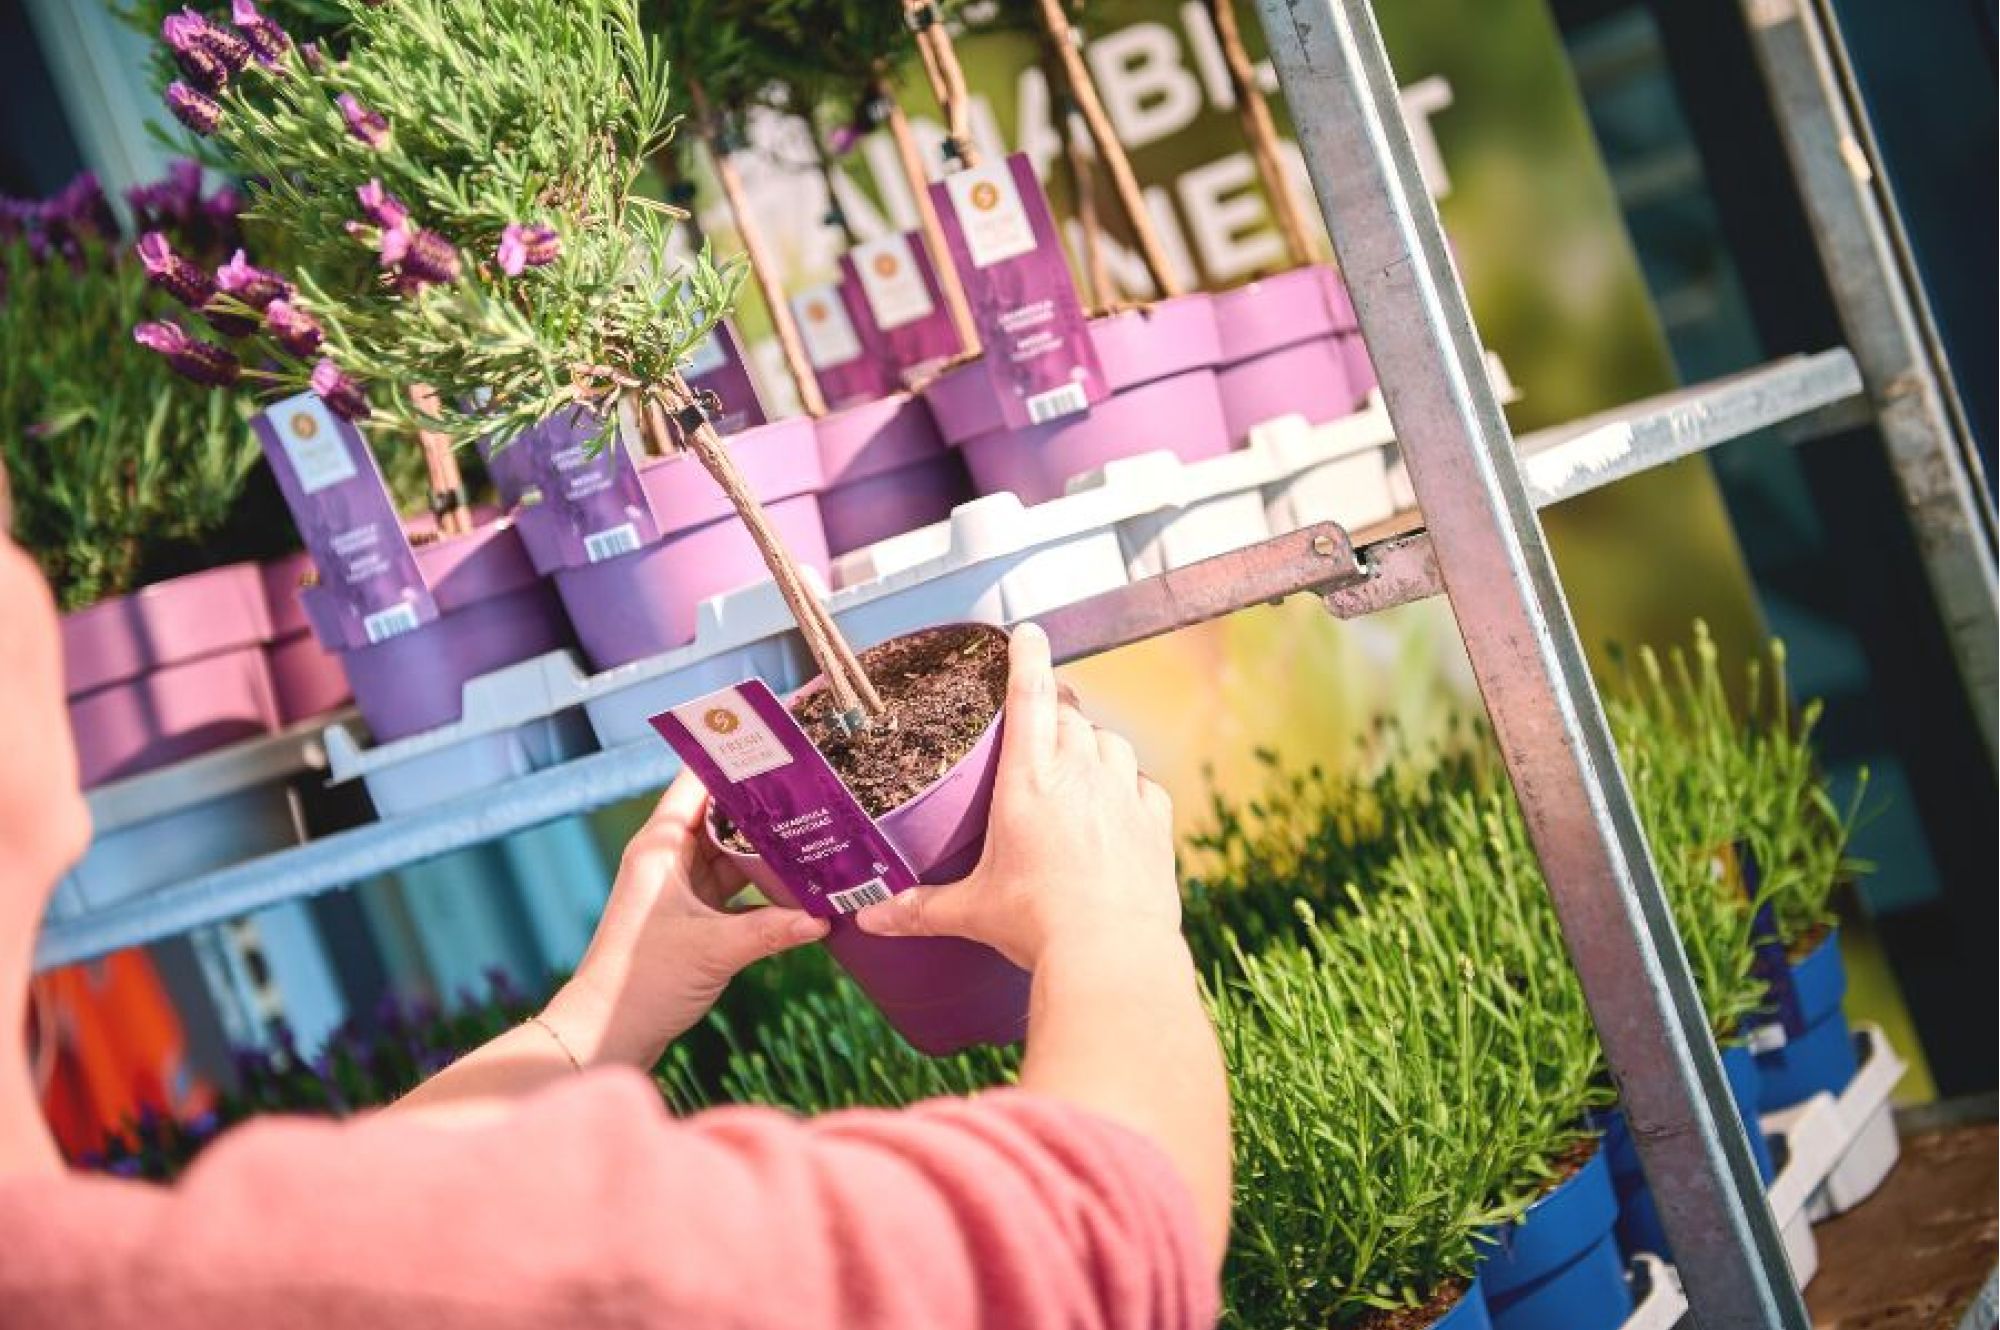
x,y
550,1030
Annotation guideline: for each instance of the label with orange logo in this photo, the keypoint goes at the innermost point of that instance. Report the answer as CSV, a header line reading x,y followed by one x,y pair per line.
x,y
831,321
768,780
370,588
905,305
892,282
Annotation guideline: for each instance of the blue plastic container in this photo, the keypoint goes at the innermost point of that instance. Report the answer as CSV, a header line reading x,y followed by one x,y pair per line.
x,y
1822,1058
1469,1314
1639,1228
1558,1267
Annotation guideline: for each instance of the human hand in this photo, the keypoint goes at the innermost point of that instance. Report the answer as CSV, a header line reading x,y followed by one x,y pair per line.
x,y
1080,843
666,946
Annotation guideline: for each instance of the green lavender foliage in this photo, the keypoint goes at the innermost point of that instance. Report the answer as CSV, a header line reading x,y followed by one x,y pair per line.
x,y
534,113
111,456
731,49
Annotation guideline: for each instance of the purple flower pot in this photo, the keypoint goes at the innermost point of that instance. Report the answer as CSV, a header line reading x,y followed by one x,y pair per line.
x,y
887,471
168,672
941,994
640,604
1347,331
308,678
1160,365
493,610
1281,352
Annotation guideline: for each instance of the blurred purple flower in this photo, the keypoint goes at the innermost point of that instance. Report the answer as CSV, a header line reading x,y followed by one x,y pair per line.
x,y
254,286
190,357
194,109
382,207
524,247
431,258
266,38
292,328
315,61
394,243
184,281
843,139
342,395
371,127
204,50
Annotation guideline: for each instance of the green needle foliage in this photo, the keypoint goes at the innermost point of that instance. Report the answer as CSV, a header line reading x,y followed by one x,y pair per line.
x,y
480,122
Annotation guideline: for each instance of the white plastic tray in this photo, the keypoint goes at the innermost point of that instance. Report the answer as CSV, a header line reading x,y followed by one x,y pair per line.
x,y
1869,1146
1661,1303
1811,1137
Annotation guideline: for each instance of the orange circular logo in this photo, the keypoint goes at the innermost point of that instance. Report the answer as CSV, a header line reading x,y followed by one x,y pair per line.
x,y
304,426
886,265
986,196
816,312
721,719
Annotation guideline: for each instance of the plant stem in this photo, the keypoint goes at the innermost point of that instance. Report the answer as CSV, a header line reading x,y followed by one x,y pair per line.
x,y
845,679
918,179
835,214
1063,36
947,76
446,482
782,323
1261,133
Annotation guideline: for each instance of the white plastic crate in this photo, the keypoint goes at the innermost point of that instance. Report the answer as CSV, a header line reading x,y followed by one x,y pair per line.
x,y
1660,1304
1869,1146
1812,1138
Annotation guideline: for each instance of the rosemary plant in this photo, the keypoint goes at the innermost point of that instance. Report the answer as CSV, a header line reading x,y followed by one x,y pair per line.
x,y
115,462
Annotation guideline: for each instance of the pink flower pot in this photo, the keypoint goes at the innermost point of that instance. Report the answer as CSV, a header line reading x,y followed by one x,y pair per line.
x,y
171,671
493,610
640,604
1281,352
887,471
1347,330
1160,365
941,994
308,677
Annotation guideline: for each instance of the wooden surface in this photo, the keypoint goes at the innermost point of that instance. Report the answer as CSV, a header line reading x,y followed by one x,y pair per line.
x,y
1915,1253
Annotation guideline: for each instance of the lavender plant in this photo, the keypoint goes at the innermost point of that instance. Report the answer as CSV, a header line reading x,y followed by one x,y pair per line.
x,y
114,460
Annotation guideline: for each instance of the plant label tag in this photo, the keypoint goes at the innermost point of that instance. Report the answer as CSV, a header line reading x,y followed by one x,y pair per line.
x,y
370,588
1039,355
590,503
718,366
905,301
831,319
767,778
1770,963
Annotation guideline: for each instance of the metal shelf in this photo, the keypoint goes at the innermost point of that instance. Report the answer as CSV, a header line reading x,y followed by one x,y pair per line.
x,y
1801,395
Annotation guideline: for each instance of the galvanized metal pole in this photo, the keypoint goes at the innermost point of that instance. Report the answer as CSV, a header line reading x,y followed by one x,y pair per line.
x,y
1529,664
1887,319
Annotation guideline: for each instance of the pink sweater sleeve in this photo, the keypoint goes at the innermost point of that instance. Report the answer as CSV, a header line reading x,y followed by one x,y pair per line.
x,y
589,1204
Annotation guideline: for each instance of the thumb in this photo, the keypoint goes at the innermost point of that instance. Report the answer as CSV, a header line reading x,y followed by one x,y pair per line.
x,y
944,911
750,936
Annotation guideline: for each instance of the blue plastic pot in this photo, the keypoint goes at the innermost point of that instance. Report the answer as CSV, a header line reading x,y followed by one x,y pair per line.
x,y
1821,1058
1558,1267
1639,1228
1469,1314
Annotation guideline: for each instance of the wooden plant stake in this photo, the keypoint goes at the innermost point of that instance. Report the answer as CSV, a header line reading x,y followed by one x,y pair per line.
x,y
910,157
1261,133
447,482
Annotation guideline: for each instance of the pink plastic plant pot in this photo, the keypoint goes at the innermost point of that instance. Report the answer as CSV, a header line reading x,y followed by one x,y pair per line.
x,y
308,678
1160,365
940,994
887,471
1281,354
1347,331
493,610
640,604
169,672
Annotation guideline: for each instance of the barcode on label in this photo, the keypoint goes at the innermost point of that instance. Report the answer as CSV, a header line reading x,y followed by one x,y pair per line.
x,y
1057,403
392,622
602,545
872,892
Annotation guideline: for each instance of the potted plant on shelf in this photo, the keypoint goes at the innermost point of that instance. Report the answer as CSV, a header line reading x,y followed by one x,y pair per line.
x,y
123,474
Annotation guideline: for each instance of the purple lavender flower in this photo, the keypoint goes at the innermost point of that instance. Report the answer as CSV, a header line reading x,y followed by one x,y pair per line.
x,y
371,127
382,207
266,38
394,242
203,362
203,67
254,286
430,258
184,281
292,328
315,60
198,111
199,45
171,197
527,247
342,395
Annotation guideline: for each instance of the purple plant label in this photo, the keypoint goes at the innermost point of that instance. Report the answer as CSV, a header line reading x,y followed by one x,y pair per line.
x,y
374,589
849,372
1769,961
592,505
1024,302
511,468
718,366
904,299
768,779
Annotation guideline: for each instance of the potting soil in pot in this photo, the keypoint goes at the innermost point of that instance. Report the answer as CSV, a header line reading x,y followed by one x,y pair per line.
x,y
1455,1305
1559,1264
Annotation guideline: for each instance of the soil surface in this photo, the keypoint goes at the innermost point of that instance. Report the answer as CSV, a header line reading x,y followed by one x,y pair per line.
x,y
1570,1162
942,688
1416,1318
1805,943
1913,1255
